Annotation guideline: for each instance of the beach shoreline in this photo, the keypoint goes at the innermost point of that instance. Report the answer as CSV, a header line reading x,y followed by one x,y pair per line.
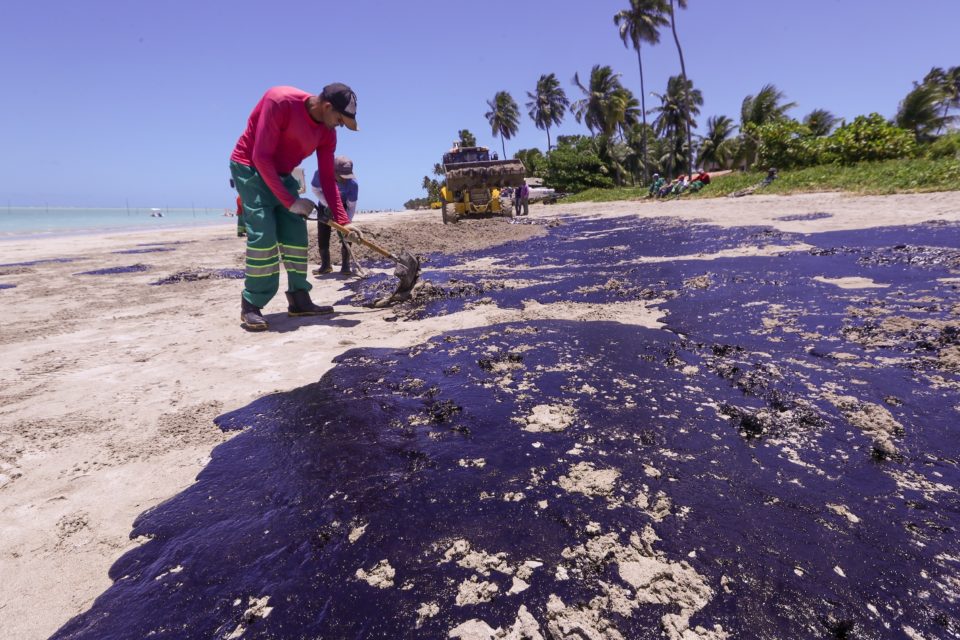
x,y
68,233
110,385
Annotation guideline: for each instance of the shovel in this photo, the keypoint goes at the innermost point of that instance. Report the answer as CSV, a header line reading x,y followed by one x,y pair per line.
x,y
361,272
408,267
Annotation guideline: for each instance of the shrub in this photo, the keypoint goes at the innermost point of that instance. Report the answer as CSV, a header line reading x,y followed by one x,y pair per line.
x,y
417,203
785,144
532,160
868,138
946,146
574,166
789,144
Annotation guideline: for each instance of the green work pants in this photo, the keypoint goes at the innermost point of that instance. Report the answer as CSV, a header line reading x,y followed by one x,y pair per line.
x,y
274,234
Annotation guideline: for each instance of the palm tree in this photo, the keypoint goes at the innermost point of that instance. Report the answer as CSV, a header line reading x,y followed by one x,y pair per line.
x,y
547,104
717,147
683,73
820,122
643,158
678,106
467,139
641,23
953,86
767,106
920,112
604,101
624,110
616,157
432,187
504,117
952,89
949,84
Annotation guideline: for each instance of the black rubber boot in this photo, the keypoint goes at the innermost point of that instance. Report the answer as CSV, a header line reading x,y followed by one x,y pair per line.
x,y
325,266
300,304
250,317
344,259
323,246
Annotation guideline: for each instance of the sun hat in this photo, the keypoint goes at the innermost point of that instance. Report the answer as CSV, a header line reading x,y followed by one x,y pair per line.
x,y
343,167
344,100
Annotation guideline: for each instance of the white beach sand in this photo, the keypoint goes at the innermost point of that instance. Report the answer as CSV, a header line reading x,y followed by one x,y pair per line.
x,y
109,386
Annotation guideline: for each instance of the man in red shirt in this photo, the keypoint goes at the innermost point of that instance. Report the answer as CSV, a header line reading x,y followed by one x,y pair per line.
x,y
286,126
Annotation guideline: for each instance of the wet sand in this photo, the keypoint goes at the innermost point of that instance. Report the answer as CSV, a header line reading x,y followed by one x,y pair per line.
x,y
110,385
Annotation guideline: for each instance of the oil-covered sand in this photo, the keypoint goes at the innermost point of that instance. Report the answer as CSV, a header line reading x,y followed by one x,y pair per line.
x,y
618,427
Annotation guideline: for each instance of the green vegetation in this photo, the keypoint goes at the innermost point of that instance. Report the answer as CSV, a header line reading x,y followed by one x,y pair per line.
x,y
947,146
623,149
786,143
467,139
533,161
611,194
417,203
575,165
913,175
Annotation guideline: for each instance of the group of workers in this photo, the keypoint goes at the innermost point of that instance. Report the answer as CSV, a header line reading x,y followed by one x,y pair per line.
x,y
285,127
519,198
661,188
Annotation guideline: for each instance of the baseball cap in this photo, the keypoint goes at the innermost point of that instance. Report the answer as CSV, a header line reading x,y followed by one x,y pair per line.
x,y
343,167
344,100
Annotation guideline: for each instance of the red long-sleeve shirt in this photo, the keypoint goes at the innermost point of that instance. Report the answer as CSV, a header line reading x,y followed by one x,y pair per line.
x,y
280,134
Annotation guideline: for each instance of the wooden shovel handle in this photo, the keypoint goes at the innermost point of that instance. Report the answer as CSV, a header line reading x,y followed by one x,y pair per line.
x,y
342,229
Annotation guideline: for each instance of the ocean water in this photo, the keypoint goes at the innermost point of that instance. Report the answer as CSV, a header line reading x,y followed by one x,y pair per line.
x,y
18,222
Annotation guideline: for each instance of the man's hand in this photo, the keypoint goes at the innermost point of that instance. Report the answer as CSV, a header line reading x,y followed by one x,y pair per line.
x,y
353,233
302,207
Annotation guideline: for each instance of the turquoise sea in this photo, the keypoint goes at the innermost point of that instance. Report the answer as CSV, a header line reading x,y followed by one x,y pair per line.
x,y
19,222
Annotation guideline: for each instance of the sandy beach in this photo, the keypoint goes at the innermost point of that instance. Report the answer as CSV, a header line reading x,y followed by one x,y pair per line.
x,y
110,384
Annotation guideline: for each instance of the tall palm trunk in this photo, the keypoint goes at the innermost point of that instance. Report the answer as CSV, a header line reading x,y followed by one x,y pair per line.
x,y
643,112
503,145
548,138
683,72
946,110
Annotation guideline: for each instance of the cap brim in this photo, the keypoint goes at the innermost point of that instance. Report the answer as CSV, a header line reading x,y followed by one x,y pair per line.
x,y
349,123
348,176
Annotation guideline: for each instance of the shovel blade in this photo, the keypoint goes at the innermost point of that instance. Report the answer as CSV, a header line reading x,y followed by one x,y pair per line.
x,y
408,271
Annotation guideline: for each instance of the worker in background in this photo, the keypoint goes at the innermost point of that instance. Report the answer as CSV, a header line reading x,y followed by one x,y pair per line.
x,y
286,126
241,227
521,200
349,193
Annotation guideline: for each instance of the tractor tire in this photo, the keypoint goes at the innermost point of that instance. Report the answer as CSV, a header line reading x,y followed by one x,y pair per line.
x,y
449,212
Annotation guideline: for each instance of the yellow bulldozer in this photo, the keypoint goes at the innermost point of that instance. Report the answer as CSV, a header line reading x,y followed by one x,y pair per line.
x,y
474,181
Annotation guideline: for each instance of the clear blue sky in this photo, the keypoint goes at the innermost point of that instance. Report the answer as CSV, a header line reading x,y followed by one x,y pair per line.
x,y
105,101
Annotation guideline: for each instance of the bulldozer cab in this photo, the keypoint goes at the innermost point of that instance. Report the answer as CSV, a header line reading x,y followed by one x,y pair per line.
x,y
463,155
